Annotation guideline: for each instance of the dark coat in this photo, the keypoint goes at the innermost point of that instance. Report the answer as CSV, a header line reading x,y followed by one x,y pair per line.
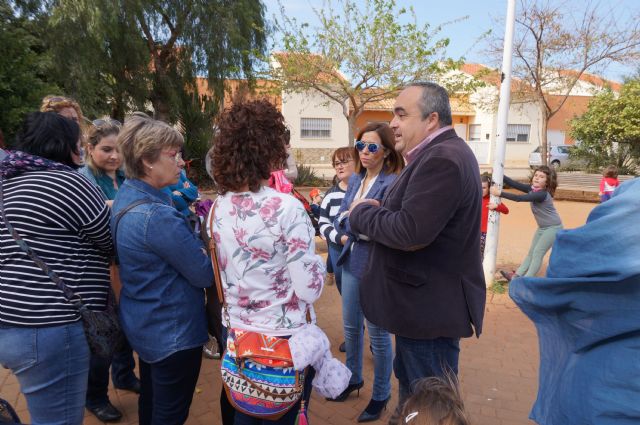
x,y
358,254
425,277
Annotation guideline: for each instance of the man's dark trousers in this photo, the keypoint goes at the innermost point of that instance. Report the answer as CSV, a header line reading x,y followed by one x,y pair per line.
x,y
421,358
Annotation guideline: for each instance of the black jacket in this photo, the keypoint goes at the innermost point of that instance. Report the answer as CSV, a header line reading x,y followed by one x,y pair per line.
x,y
425,279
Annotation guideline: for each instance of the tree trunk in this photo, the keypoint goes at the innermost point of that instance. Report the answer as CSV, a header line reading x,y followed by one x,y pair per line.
x,y
352,129
544,124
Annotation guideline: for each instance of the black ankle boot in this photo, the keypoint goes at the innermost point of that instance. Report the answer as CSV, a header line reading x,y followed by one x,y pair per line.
x,y
374,410
351,388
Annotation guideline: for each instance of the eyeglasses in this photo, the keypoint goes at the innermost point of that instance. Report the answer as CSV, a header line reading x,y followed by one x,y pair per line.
x,y
176,155
107,121
372,147
339,163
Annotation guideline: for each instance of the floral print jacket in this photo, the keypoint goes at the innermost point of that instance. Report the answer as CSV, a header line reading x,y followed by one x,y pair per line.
x,y
270,272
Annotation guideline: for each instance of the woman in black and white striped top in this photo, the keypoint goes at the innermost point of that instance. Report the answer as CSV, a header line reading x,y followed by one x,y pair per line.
x,y
65,220
343,163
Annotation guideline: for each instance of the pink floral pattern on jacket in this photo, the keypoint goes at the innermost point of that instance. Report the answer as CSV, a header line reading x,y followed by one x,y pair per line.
x,y
270,272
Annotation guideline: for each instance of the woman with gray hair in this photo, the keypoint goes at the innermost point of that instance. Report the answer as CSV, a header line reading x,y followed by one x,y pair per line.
x,y
164,270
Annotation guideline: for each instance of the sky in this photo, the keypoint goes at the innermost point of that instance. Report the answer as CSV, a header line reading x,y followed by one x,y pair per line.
x,y
463,35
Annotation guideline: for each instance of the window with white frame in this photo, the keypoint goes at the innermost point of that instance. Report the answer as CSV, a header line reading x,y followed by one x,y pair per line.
x,y
474,132
518,132
315,128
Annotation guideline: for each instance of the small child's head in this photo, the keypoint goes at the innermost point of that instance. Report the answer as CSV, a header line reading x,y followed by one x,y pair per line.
x,y
545,178
435,401
316,195
611,171
485,179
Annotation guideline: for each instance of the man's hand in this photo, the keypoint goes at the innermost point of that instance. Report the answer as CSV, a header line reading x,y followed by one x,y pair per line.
x,y
495,191
363,201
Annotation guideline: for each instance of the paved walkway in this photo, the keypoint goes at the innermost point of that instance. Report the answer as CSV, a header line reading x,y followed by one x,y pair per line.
x,y
498,374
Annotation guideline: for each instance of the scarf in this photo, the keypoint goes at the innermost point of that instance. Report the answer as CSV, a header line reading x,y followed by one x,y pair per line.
x,y
18,162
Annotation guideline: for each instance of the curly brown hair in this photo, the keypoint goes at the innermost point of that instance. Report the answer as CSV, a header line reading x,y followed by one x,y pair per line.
x,y
249,145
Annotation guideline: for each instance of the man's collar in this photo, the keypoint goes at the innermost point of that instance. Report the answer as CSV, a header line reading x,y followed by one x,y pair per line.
x,y
413,152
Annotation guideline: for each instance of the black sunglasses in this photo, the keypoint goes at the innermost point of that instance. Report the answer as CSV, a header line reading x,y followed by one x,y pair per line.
x,y
372,147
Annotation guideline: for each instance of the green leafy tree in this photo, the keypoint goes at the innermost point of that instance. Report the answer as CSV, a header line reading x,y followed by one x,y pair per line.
x,y
610,129
24,67
362,52
156,48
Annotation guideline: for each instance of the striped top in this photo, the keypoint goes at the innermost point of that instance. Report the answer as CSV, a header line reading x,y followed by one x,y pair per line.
x,y
65,220
328,212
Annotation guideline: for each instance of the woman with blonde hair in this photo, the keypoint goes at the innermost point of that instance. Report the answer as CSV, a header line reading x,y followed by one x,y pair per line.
x,y
164,270
64,106
102,168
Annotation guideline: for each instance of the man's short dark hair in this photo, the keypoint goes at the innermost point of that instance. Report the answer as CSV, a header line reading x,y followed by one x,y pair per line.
x,y
49,135
434,99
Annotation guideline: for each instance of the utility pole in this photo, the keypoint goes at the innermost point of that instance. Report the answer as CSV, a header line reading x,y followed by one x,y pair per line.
x,y
491,246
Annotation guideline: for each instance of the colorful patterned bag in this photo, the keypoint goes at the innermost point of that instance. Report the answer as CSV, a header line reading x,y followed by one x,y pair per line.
x,y
257,369
258,375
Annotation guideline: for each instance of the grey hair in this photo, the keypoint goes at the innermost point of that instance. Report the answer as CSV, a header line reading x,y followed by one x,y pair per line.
x,y
434,99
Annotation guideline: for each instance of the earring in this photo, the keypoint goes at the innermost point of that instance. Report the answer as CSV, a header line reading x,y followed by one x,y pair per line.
x,y
150,167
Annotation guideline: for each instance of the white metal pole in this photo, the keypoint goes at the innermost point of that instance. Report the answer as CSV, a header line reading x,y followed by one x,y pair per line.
x,y
491,246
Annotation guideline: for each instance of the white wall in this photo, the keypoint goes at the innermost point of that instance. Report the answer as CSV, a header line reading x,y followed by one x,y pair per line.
x,y
314,105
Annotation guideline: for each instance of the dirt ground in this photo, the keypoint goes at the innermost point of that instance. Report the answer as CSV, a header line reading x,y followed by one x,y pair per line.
x,y
498,371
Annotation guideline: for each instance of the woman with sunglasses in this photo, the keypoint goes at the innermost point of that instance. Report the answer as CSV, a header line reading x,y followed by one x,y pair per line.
x,y
164,270
102,168
377,166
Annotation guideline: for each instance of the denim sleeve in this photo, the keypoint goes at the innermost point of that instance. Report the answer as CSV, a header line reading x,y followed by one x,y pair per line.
x,y
168,235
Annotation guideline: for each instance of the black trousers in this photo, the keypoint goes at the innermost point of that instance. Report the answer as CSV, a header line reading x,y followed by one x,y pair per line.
x,y
122,365
167,388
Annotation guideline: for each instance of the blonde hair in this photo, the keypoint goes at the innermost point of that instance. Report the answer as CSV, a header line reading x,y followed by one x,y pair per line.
x,y
95,134
53,103
143,138
435,401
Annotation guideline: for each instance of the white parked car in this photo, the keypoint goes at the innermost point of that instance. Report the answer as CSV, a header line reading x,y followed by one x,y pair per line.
x,y
559,156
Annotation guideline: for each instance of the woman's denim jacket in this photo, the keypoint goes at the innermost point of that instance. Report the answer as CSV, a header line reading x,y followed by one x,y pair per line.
x,y
358,254
163,268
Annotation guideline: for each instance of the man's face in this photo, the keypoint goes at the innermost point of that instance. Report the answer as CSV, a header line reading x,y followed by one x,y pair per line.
x,y
408,126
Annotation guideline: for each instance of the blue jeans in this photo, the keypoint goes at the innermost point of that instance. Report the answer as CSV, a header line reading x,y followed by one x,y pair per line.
x,y
52,365
167,386
353,320
122,365
422,358
333,252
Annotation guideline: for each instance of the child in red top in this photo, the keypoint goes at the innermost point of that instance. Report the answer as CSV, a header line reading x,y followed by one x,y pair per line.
x,y
486,206
609,183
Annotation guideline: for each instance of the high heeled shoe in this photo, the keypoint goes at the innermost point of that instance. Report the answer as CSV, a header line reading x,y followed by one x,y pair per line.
x,y
373,411
350,388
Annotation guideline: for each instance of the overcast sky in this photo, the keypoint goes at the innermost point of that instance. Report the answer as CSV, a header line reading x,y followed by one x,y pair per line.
x,y
463,35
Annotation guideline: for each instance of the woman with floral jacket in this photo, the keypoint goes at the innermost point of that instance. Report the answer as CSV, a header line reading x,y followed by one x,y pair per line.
x,y
270,273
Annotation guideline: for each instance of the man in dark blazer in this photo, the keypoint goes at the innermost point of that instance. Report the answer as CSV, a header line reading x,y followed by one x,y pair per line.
x,y
424,281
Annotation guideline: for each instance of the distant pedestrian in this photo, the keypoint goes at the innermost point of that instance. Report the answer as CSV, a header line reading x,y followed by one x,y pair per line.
x,y
486,206
609,183
540,194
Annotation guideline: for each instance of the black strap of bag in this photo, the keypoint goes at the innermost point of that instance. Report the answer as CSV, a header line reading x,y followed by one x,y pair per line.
x,y
74,299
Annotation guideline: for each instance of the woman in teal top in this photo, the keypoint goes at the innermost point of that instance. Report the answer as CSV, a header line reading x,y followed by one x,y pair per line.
x,y
102,168
103,159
